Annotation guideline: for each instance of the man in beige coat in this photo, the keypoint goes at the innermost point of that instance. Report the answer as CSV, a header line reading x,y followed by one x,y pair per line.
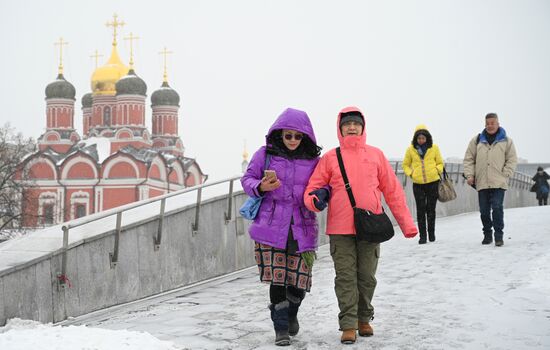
x,y
489,162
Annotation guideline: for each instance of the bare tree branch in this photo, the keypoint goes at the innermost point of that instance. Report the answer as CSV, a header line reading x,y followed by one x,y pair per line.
x,y
13,149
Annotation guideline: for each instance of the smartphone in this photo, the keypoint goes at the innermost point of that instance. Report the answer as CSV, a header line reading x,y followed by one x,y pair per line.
x,y
270,175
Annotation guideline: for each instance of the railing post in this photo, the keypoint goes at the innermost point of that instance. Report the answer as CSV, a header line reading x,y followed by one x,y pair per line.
x,y
62,277
458,173
113,257
161,221
195,225
228,214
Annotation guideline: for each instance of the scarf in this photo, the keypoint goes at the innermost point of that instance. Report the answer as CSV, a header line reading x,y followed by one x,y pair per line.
x,y
421,149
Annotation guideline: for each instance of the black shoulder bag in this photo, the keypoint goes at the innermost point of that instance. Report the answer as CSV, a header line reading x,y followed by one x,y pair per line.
x,y
370,227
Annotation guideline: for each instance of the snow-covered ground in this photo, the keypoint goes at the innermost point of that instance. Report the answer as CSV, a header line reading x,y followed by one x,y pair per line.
x,y
450,294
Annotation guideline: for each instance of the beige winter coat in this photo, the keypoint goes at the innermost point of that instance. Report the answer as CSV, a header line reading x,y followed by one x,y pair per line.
x,y
492,165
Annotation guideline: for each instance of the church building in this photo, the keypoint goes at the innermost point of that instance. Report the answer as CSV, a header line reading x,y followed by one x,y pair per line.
x,y
117,160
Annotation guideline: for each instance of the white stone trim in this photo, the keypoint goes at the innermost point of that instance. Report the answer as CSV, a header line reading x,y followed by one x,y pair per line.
x,y
162,168
194,171
125,185
78,159
143,192
179,172
121,130
47,198
120,159
120,182
78,182
42,159
80,197
157,184
98,199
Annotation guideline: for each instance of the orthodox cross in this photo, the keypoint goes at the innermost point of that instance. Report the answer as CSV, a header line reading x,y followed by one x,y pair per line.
x,y
131,37
96,55
61,43
165,52
115,24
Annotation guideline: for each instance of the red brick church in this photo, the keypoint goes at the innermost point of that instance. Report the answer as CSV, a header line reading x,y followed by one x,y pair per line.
x,y
117,160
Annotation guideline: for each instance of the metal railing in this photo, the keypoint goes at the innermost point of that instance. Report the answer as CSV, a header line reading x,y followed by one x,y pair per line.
x,y
157,239
455,171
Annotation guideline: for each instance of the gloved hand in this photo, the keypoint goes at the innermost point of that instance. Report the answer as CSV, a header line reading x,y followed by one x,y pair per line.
x,y
410,234
320,198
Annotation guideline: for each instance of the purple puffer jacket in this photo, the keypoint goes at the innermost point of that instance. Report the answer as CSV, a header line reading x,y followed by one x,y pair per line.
x,y
272,223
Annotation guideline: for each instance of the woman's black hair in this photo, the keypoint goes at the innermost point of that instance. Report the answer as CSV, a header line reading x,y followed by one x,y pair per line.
x,y
307,149
424,132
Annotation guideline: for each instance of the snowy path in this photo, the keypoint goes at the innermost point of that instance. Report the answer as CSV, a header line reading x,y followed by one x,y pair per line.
x,y
450,294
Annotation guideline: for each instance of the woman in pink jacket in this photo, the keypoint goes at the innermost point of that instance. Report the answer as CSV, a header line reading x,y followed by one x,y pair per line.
x,y
355,262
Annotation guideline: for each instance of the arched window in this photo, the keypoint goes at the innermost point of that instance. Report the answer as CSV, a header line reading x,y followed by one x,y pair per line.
x,y
107,116
80,210
48,214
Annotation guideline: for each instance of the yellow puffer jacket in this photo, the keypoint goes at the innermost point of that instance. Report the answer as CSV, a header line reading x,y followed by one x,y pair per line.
x,y
423,171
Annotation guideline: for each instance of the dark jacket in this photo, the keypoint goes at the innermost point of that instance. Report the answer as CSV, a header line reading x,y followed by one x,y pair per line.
x,y
541,180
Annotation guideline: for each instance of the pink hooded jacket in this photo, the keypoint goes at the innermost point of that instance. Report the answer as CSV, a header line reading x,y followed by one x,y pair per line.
x,y
370,175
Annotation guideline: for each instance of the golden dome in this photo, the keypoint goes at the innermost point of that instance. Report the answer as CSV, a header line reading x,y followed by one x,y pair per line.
x,y
104,78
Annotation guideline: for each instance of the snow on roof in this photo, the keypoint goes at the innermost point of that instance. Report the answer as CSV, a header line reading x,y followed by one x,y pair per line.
x,y
102,146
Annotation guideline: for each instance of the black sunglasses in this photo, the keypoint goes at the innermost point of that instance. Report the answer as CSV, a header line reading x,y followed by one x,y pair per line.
x,y
297,137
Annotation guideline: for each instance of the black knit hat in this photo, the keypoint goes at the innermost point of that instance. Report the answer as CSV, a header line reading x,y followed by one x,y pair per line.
x,y
352,116
540,168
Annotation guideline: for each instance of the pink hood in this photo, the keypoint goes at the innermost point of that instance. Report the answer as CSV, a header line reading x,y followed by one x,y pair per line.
x,y
370,176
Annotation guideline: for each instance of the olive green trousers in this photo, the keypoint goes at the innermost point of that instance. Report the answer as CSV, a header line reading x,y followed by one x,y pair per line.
x,y
355,264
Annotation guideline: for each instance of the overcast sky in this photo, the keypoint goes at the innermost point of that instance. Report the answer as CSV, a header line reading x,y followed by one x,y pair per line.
x,y
237,64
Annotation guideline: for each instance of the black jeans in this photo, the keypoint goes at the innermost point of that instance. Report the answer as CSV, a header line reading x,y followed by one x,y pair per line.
x,y
425,196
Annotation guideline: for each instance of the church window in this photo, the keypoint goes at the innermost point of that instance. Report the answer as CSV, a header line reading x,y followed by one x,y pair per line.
x,y
48,214
80,211
107,116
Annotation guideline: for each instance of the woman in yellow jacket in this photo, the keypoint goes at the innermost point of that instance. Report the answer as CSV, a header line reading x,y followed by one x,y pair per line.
x,y
424,164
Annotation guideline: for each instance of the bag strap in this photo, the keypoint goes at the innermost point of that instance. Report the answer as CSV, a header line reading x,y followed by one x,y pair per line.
x,y
345,177
444,175
267,160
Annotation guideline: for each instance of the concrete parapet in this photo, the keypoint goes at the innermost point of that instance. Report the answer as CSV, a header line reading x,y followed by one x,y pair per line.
x,y
30,290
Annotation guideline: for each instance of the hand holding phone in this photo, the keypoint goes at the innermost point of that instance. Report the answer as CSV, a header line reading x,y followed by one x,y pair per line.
x,y
270,181
270,175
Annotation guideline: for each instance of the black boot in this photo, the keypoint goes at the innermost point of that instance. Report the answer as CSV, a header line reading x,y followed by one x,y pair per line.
x,y
487,239
293,325
422,229
422,237
279,316
431,228
294,297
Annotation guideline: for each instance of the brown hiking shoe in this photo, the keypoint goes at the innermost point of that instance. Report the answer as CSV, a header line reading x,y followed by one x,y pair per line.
x,y
365,329
348,336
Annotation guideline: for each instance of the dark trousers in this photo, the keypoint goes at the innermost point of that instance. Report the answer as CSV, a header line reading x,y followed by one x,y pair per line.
x,y
425,196
491,208
279,294
543,198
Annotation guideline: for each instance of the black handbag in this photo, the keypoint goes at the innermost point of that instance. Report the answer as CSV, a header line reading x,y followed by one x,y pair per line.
x,y
370,227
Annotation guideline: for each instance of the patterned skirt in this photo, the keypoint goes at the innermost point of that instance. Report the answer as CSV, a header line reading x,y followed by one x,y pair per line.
x,y
280,268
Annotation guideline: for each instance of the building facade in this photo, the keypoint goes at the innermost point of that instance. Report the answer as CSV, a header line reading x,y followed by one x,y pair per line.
x,y
117,160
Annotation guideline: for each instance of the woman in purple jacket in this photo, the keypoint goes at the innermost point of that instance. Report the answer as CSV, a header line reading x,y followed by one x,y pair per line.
x,y
283,228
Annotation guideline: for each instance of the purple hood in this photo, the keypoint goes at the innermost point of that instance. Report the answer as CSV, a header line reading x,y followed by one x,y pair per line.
x,y
293,119
285,204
